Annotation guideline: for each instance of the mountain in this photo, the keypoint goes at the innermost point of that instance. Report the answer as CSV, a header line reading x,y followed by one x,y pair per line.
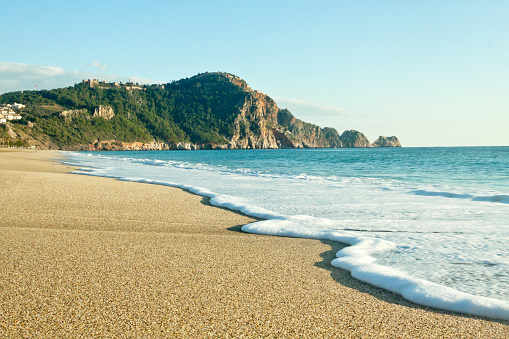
x,y
206,111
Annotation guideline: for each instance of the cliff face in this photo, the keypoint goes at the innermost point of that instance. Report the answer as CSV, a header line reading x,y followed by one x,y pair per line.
x,y
254,123
354,139
105,112
261,124
306,135
69,115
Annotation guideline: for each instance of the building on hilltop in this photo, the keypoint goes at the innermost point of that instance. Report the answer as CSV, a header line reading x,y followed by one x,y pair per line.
x,y
131,85
91,82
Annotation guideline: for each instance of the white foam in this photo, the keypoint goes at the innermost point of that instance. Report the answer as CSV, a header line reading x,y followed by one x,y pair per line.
x,y
357,258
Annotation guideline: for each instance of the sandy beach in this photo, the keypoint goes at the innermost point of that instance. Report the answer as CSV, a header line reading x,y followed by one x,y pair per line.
x,y
84,256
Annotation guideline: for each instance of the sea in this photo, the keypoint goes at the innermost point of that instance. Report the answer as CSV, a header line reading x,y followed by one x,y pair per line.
x,y
430,224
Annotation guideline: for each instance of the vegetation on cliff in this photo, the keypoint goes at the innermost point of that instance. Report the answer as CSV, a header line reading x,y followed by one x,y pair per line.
x,y
210,110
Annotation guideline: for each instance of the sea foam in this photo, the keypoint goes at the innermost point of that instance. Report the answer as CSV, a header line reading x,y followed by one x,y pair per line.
x,y
361,257
357,259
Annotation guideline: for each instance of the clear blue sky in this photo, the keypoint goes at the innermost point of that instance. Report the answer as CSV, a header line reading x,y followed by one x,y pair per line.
x,y
433,73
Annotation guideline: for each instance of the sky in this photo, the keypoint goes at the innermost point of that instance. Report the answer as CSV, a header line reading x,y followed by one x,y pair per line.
x,y
432,73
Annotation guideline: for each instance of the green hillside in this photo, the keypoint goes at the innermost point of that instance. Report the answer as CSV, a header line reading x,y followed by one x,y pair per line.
x,y
198,110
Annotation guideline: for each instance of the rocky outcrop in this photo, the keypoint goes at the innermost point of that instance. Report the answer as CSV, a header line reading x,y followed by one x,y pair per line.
x,y
105,112
386,142
116,145
10,131
261,124
351,139
69,115
306,135
253,125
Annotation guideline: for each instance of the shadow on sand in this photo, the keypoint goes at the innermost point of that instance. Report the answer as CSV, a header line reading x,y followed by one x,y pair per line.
x,y
344,278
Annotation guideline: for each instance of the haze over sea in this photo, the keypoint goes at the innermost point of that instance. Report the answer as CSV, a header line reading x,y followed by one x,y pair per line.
x,y
431,224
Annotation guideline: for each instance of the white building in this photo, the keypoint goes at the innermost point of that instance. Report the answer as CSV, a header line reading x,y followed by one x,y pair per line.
x,y
13,116
7,113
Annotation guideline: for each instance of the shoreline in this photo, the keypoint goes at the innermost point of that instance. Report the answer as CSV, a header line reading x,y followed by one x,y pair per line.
x,y
358,257
269,285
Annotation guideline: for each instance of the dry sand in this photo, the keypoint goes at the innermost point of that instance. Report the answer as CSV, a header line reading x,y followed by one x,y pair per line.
x,y
96,257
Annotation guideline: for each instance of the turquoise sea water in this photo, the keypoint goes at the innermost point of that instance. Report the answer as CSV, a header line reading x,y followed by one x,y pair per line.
x,y
435,219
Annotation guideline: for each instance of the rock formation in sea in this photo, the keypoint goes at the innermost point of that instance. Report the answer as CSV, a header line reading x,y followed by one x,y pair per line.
x,y
355,139
387,142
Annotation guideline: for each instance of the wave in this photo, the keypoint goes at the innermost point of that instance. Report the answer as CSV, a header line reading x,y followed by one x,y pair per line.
x,y
358,261
356,258
386,184
382,184
499,198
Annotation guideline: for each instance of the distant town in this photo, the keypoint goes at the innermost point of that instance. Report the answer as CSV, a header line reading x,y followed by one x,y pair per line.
x,y
8,112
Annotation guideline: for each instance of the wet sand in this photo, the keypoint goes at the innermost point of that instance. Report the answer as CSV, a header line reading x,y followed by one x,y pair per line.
x,y
85,256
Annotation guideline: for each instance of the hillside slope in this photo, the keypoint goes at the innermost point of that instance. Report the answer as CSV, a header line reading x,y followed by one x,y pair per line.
x,y
207,111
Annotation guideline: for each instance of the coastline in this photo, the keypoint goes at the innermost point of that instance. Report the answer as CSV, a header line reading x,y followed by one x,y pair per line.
x,y
97,256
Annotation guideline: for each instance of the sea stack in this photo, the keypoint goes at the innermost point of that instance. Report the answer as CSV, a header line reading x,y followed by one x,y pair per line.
x,y
386,142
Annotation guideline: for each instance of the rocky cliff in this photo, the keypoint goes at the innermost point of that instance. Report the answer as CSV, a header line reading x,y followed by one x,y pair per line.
x,y
105,112
254,123
355,139
305,135
71,114
262,124
387,142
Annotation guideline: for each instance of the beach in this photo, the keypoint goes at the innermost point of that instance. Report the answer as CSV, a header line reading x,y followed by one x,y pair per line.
x,y
97,257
